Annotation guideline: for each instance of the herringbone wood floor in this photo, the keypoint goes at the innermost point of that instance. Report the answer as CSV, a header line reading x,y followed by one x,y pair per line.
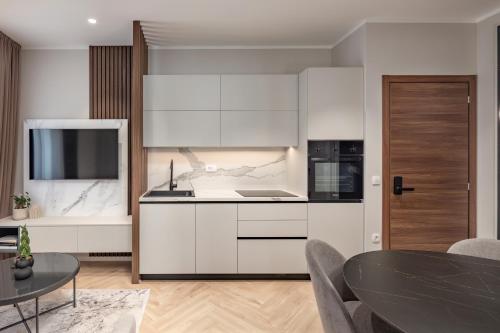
x,y
213,306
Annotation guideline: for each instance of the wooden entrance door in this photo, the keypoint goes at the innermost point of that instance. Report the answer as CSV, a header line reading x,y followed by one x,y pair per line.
x,y
428,161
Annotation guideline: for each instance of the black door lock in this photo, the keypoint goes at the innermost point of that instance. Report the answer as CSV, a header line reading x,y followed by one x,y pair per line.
x,y
398,186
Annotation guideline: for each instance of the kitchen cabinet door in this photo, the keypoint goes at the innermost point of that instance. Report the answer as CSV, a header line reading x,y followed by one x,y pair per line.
x,y
216,238
259,129
181,128
335,103
338,224
259,92
181,92
167,239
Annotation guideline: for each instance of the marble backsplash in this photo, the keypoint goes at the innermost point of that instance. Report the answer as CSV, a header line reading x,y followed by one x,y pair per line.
x,y
236,168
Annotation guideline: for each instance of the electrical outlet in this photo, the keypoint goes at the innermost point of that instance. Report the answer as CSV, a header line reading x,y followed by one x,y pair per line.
x,y
375,238
211,168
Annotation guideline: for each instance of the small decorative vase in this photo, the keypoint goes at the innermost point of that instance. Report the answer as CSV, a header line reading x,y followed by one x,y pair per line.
x,y
31,261
22,273
19,214
34,212
22,263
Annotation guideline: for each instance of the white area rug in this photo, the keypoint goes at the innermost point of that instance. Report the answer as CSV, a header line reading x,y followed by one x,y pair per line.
x,y
97,310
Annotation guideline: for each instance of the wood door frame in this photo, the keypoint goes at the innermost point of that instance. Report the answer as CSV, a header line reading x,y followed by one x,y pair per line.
x,y
386,181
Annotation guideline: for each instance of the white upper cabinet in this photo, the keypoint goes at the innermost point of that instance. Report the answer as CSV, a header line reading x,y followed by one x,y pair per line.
x,y
181,128
220,110
259,92
335,103
182,92
259,129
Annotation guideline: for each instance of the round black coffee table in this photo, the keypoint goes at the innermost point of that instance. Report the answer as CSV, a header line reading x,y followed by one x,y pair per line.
x,y
423,292
50,272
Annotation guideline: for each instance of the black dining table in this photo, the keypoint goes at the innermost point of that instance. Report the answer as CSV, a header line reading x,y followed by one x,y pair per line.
x,y
419,291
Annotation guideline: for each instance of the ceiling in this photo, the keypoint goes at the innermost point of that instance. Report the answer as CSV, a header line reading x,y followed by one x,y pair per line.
x,y
218,23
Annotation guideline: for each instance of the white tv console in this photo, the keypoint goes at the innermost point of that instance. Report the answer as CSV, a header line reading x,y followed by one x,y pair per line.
x,y
77,234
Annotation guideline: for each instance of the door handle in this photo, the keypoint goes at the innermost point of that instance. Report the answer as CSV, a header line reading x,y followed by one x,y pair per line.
x,y
398,186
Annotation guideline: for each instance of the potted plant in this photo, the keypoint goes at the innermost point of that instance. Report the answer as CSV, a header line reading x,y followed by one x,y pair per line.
x,y
22,202
24,249
24,260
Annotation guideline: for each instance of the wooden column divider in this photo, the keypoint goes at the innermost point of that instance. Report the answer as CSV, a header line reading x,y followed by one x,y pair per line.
x,y
139,153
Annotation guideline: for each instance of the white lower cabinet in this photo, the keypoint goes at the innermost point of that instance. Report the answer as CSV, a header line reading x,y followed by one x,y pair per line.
x,y
216,243
338,224
167,239
271,256
54,239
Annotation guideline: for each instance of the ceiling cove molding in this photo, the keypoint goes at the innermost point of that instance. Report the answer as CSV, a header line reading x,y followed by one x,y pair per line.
x,y
422,21
350,32
241,47
487,16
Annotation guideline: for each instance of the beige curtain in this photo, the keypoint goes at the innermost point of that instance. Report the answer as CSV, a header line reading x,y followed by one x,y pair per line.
x,y
9,110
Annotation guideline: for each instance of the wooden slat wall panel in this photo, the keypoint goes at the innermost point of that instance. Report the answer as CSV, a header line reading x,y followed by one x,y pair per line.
x,y
139,153
110,76
110,69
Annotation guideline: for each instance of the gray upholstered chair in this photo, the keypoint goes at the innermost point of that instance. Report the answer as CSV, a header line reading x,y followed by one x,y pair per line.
x,y
338,310
477,247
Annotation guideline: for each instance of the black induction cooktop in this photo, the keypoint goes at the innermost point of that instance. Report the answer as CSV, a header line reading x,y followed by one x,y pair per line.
x,y
265,193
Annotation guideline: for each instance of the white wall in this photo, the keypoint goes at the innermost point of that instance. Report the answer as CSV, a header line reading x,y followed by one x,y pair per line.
x,y
226,61
487,126
398,49
54,84
351,52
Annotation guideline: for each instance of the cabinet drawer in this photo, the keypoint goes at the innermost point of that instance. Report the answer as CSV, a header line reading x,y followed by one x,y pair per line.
x,y
53,239
272,211
105,238
281,228
271,256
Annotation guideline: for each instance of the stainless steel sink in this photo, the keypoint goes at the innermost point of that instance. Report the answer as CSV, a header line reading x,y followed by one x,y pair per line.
x,y
169,194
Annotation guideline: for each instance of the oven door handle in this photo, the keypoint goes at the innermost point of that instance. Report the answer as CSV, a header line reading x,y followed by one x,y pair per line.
x,y
320,159
350,159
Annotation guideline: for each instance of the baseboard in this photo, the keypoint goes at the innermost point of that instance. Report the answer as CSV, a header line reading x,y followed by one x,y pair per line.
x,y
224,277
107,256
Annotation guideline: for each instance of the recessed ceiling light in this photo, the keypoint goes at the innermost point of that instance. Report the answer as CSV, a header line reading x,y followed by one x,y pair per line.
x,y
92,20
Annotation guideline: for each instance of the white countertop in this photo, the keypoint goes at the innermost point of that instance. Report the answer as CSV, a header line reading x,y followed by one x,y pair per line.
x,y
68,221
221,196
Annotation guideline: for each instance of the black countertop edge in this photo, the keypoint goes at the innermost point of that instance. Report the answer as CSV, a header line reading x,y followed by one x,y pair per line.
x,y
218,201
248,201
336,201
256,237
242,276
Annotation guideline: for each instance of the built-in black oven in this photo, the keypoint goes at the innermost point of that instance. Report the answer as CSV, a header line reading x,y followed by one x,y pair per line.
x,y
335,171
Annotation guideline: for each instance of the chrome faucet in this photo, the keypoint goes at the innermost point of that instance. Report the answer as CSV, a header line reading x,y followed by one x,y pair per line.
x,y
172,184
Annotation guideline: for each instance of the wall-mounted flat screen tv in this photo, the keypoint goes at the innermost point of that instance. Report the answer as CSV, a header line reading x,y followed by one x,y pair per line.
x,y
73,153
